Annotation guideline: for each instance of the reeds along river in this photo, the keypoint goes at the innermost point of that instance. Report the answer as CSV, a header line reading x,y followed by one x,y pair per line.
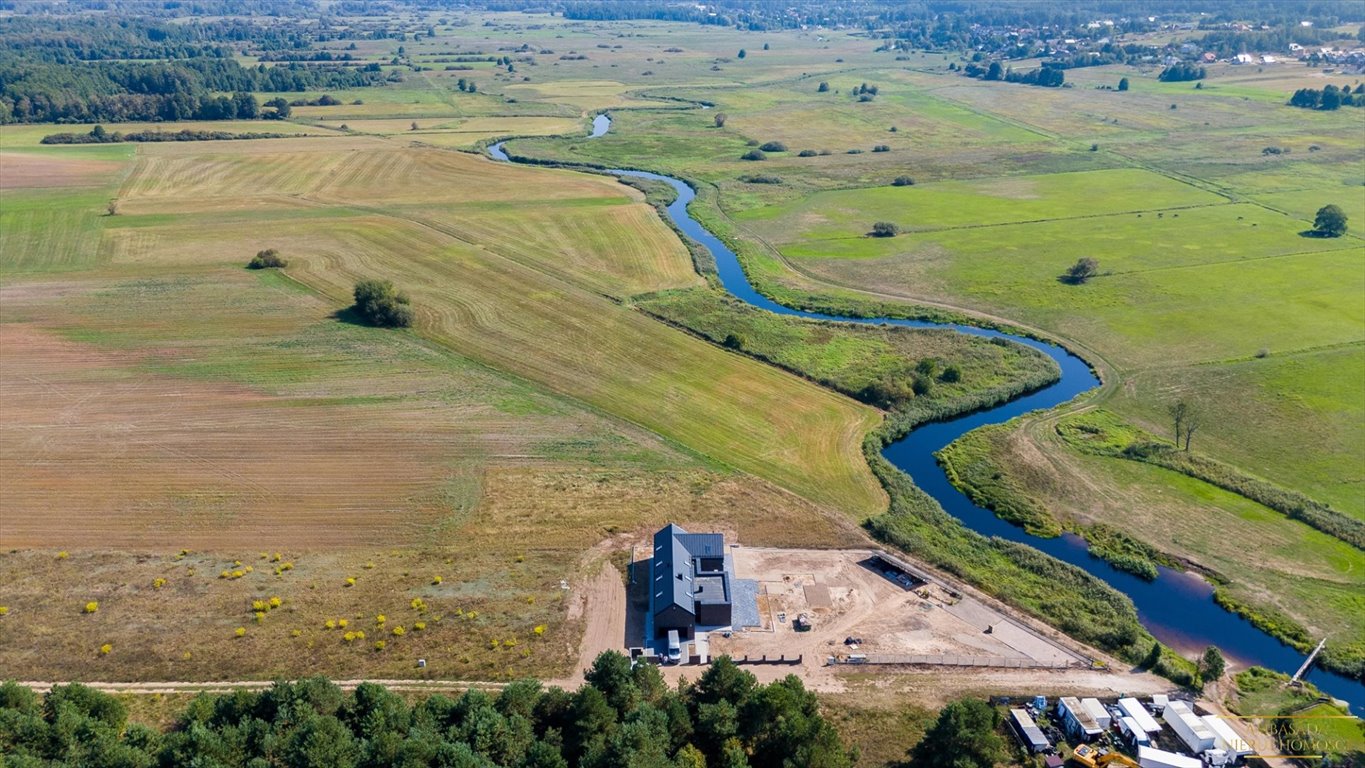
x,y
1176,607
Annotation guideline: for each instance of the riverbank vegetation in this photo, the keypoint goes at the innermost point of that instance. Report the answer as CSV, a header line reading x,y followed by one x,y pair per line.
x,y
1061,479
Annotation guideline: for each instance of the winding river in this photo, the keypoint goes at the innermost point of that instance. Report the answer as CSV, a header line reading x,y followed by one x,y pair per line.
x,y
1177,607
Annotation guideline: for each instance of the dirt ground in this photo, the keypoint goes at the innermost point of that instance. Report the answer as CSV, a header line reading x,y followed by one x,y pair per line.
x,y
845,598
851,600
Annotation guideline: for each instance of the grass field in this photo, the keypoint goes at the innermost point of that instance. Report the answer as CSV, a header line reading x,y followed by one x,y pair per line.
x,y
226,412
1208,289
534,391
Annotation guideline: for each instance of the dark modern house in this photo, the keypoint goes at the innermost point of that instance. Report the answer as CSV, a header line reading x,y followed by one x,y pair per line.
x,y
690,582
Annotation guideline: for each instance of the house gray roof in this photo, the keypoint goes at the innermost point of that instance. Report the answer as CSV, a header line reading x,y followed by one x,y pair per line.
x,y
673,580
671,576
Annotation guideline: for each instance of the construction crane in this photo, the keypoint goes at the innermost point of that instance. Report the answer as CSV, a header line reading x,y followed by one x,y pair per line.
x,y
1090,757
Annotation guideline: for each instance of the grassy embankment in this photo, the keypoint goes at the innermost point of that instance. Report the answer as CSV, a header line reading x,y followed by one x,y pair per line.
x,y
1195,512
1310,724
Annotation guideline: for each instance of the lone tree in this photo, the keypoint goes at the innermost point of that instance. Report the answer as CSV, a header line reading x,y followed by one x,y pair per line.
x,y
1123,84
1080,272
753,154
903,181
735,341
885,229
743,53
823,88
1211,664
720,119
267,259
1330,222
1187,420
964,736
381,304
1178,411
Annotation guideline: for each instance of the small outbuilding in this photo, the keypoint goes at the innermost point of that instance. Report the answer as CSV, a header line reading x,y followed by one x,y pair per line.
x,y
1077,720
1030,735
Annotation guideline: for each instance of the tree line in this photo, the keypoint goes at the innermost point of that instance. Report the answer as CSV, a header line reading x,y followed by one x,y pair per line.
x,y
107,91
1181,72
622,716
99,135
1329,98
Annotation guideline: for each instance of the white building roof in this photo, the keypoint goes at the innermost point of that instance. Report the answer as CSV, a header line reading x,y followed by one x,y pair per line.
x,y
1156,758
1134,709
1226,737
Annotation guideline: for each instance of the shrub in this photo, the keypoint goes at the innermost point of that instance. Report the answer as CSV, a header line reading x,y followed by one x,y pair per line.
x,y
539,630
437,580
903,181
854,151
105,649
398,631
807,153
62,555
92,606
882,148
4,610
360,634
275,602
259,606
381,304
158,583
419,626
1084,269
952,374
341,623
239,632
753,155
735,341
380,619
761,179
773,146
260,617
379,645
350,581
267,259
330,624
885,229
349,637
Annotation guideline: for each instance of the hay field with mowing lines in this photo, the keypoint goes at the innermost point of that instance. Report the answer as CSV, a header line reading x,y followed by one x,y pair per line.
x,y
173,400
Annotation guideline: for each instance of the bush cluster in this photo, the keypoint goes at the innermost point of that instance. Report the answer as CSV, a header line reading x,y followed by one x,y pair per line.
x,y
383,305
267,259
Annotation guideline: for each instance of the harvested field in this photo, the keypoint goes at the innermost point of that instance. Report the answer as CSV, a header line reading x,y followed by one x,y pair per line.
x,y
24,170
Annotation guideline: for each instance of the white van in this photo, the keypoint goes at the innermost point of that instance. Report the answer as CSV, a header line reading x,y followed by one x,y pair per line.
x,y
674,647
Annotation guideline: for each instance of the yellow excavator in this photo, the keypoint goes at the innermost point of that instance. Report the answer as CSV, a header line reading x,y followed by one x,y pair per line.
x,y
1091,757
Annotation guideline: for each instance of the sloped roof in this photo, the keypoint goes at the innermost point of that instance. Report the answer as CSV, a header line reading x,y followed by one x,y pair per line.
x,y
670,580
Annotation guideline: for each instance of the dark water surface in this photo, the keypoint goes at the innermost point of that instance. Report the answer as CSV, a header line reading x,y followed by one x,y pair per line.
x,y
1177,607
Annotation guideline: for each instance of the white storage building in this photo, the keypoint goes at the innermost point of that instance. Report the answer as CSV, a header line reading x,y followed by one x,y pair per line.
x,y
1029,733
1227,738
1156,758
1097,711
1134,709
1196,734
